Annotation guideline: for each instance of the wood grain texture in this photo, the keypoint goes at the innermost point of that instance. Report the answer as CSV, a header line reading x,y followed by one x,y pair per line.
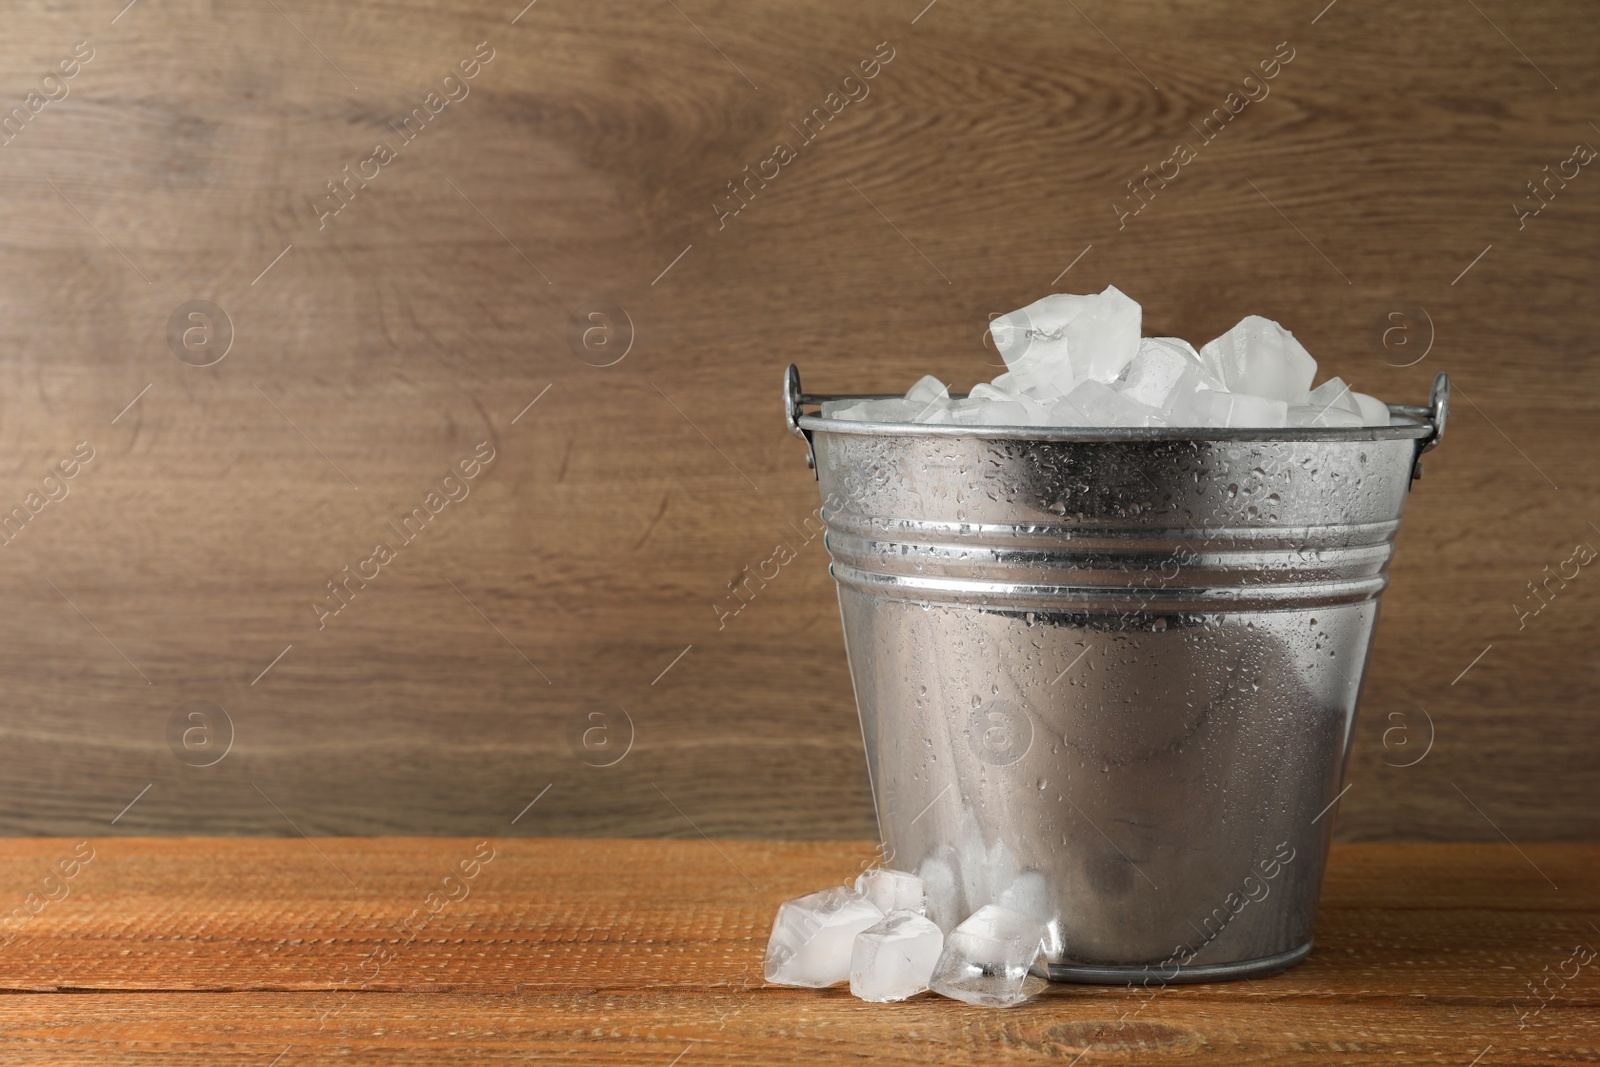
x,y
581,172
234,951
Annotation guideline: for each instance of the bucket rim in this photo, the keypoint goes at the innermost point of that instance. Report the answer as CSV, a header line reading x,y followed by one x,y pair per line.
x,y
1403,428
1423,424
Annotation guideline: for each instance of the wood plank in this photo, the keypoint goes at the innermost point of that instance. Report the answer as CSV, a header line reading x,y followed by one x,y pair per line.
x,y
828,1028
387,344
232,951
222,914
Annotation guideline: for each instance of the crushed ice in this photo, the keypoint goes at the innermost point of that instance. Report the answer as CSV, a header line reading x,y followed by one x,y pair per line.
x,y
880,935
1079,360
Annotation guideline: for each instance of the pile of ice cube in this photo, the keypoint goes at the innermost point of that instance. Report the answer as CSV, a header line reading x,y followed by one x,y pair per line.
x,y
1080,361
877,934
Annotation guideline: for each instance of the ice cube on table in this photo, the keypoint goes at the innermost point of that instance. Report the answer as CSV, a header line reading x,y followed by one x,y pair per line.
x,y
1261,358
940,872
894,959
1163,368
1374,412
989,959
813,935
1029,894
891,891
1095,404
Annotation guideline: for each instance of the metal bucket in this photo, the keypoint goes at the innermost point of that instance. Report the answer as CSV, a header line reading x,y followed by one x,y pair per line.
x,y
1109,677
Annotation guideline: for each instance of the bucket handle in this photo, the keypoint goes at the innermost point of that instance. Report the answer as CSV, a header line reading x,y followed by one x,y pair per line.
x,y
793,398
1434,413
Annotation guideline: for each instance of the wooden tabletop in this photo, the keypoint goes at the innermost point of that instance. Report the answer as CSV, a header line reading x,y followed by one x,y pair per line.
x,y
289,952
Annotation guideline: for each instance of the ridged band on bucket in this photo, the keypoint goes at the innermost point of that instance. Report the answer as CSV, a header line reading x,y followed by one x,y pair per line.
x,y
1109,677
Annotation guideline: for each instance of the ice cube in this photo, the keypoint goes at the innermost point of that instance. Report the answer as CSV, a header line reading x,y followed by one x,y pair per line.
x,y
1336,394
988,406
1029,894
1065,414
1000,413
892,890
894,959
893,409
1038,413
1261,358
989,959
1034,344
940,872
986,391
942,414
812,937
1309,415
1374,412
1105,331
1094,403
1164,368
927,388
985,862
926,397
1064,338
1248,410
1214,410
962,412
1202,409
841,409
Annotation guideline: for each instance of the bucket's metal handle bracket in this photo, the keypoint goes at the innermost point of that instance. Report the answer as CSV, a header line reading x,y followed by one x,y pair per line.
x,y
793,399
1435,413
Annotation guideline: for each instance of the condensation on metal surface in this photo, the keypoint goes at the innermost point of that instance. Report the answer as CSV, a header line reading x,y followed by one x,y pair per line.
x,y
1113,681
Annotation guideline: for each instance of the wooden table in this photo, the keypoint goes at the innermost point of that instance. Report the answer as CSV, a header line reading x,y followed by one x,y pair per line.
x,y
223,951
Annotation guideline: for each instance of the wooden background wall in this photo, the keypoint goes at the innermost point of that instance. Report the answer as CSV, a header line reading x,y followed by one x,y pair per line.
x,y
1374,188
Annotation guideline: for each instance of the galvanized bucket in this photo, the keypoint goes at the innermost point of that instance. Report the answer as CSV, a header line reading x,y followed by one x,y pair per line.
x,y
1109,677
